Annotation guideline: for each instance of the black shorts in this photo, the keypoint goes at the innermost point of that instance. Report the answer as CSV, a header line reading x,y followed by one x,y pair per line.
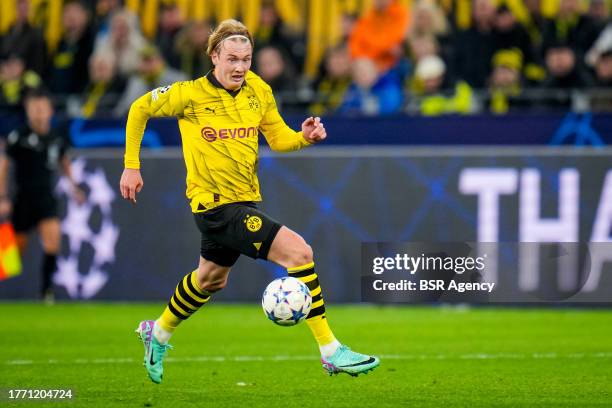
x,y
29,210
233,229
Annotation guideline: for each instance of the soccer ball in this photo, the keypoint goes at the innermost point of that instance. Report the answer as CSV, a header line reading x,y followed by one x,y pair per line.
x,y
286,301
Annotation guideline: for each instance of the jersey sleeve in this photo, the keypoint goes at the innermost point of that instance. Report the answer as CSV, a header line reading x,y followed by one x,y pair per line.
x,y
165,101
280,137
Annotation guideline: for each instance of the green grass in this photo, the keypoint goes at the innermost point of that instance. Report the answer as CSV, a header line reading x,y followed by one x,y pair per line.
x,y
439,357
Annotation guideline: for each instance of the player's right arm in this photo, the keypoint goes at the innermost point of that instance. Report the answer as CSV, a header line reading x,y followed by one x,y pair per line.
x,y
165,101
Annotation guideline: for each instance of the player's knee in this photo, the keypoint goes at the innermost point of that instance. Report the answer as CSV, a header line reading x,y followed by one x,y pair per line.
x,y
302,255
214,285
212,282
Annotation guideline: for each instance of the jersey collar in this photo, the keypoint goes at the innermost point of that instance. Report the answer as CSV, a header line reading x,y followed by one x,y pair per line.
x,y
213,80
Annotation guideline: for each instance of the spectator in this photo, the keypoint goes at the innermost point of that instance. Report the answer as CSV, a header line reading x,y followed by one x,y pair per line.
x,y
272,31
599,12
475,46
564,72
24,40
371,94
535,21
378,35
347,24
190,44
436,95
170,23
105,86
124,41
564,75
429,20
509,34
152,73
603,70
272,67
16,81
600,97
421,46
104,11
505,82
68,71
334,82
570,26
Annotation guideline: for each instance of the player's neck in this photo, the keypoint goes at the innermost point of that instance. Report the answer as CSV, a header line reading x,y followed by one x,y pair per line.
x,y
40,129
225,86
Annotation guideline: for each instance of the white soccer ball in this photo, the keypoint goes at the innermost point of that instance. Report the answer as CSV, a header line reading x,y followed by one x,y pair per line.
x,y
286,301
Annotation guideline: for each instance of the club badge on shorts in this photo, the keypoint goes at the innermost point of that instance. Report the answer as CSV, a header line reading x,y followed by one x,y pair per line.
x,y
253,223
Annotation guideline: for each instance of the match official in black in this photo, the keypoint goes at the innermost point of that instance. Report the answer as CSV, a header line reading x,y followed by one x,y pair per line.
x,y
37,152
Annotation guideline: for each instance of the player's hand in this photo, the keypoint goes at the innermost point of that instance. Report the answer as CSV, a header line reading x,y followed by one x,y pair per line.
x,y
79,195
131,183
5,208
313,130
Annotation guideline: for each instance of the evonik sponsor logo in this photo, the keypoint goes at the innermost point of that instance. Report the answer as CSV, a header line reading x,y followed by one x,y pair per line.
x,y
211,134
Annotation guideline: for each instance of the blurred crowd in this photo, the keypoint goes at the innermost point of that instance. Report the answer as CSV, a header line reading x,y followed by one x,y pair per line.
x,y
428,57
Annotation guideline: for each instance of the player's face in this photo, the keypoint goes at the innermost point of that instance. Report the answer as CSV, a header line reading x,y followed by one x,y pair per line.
x,y
39,111
232,62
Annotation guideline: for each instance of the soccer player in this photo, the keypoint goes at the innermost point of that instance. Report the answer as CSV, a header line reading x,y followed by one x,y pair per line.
x,y
220,116
36,151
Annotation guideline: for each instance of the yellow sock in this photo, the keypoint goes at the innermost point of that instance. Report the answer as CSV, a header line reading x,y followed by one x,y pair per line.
x,y
316,319
187,298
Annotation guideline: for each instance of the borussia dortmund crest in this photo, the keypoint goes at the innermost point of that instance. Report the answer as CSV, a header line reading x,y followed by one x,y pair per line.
x,y
253,223
253,103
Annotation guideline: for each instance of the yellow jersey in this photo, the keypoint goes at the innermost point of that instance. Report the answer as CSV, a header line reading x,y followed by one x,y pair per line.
x,y
219,130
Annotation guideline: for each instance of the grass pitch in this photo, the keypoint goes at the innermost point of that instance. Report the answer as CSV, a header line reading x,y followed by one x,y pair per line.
x,y
231,356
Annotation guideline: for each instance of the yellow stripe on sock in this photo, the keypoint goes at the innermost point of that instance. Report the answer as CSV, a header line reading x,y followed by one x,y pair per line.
x,y
168,321
189,305
320,330
309,278
317,304
179,309
301,268
196,285
193,295
315,291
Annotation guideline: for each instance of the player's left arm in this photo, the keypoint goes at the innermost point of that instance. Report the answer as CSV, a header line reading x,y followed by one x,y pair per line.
x,y
282,138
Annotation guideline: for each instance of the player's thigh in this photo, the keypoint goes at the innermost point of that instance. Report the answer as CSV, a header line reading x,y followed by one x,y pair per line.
x,y
289,249
50,234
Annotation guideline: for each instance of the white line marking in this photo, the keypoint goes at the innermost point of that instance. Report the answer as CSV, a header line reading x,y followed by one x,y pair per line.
x,y
246,359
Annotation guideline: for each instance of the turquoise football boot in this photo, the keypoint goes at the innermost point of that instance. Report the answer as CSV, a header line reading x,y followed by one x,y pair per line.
x,y
154,351
344,360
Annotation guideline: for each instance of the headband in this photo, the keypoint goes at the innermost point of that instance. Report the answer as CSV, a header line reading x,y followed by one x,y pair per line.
x,y
237,36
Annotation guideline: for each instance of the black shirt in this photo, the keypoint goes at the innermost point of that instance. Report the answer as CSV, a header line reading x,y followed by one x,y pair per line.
x,y
36,159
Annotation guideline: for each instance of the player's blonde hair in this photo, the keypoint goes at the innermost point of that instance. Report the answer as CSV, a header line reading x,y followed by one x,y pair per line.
x,y
228,28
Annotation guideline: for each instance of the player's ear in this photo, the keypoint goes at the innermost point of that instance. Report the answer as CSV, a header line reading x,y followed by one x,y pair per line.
x,y
214,56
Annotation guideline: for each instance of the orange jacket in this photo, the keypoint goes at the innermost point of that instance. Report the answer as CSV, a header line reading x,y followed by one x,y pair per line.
x,y
378,35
